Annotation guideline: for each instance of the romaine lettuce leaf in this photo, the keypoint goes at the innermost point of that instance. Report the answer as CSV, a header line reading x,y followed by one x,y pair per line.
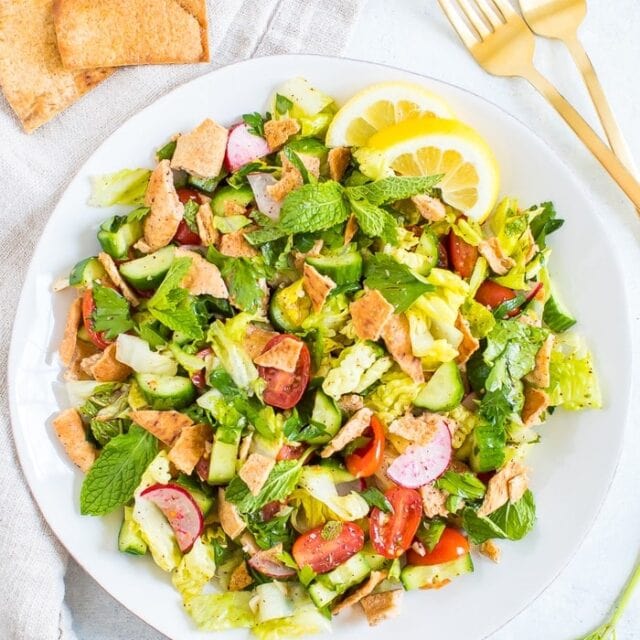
x,y
221,611
195,570
127,186
393,396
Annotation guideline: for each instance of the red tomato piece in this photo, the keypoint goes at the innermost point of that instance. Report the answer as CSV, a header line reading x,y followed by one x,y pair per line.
x,y
185,194
463,255
392,533
492,295
270,510
88,307
184,235
289,452
364,462
199,378
285,389
452,545
324,552
443,255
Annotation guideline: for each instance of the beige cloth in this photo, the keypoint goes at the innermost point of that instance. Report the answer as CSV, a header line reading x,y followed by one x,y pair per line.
x,y
35,170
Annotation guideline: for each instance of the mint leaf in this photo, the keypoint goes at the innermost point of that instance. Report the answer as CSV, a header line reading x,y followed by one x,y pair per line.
x,y
375,498
190,213
393,189
295,160
111,315
264,235
272,532
374,221
314,207
306,575
430,532
544,224
395,281
464,485
255,123
283,105
116,473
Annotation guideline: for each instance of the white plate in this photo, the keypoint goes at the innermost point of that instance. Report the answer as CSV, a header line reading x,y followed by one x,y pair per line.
x,y
572,468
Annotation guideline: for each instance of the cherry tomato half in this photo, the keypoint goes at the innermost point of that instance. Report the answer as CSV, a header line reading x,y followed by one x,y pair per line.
x,y
199,378
185,194
492,295
364,462
324,552
463,255
452,545
285,389
88,307
392,533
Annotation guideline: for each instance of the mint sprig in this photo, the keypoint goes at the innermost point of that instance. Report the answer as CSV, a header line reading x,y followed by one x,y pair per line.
x,y
112,315
314,207
393,189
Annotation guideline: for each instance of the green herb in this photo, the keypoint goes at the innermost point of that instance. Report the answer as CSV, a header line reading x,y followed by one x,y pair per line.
x,y
544,224
376,498
509,306
331,530
374,221
207,185
287,560
166,152
102,396
306,575
255,123
116,473
190,213
296,161
264,235
489,437
395,281
106,430
465,485
272,532
453,503
314,207
138,214
393,189
295,430
430,533
283,105
111,314
239,178
243,277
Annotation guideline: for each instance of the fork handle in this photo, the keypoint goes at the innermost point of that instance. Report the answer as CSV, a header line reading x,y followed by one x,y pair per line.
x,y
609,124
589,137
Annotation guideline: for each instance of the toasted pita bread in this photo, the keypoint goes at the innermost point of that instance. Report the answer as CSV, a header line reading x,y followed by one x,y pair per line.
x,y
338,159
164,425
354,428
126,32
206,227
316,286
395,334
235,245
189,447
230,521
203,276
32,77
283,356
71,433
70,338
255,471
255,340
277,132
379,607
166,209
201,151
112,271
369,314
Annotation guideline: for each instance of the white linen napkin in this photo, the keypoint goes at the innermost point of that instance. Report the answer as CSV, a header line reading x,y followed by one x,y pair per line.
x,y
35,170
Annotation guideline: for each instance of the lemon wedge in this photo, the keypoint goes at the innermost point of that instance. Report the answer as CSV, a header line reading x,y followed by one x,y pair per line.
x,y
424,146
380,106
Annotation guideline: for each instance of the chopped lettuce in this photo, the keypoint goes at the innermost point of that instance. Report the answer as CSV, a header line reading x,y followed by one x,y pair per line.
x,y
79,391
221,611
394,396
481,320
137,354
306,620
196,569
271,601
127,186
308,512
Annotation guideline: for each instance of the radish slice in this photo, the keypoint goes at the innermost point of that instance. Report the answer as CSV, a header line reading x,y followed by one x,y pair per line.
x,y
180,509
422,464
266,204
266,563
243,147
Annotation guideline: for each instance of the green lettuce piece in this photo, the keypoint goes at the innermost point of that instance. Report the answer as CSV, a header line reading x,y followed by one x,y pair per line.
x,y
306,620
195,570
488,442
221,611
126,187
508,224
308,512
574,383
481,320
393,396
466,420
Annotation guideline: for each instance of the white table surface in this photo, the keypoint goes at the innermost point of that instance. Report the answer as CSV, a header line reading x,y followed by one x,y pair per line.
x,y
413,34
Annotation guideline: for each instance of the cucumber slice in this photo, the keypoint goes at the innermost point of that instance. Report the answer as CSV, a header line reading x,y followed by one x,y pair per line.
x,y
147,273
321,595
417,577
242,197
555,316
207,185
129,540
428,247
166,392
444,391
222,466
86,272
289,307
325,412
272,602
118,234
342,269
330,585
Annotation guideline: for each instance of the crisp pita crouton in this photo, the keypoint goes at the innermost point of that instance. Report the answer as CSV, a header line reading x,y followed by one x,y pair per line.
x,y
203,277
536,402
369,314
167,211
541,374
283,356
83,351
189,447
338,160
431,209
375,578
353,429
498,487
299,257
498,261
350,229
491,550
206,227
234,208
249,544
417,430
292,178
142,247
70,337
316,286
87,363
516,487
469,344
350,403
434,501
235,245
230,521
201,152
379,607
240,578
107,368
71,433
164,425
255,340
114,275
395,334
245,447
277,132
255,471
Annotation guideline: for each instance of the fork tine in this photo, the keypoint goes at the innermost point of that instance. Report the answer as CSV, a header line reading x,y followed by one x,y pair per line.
x,y
474,18
459,25
505,8
491,13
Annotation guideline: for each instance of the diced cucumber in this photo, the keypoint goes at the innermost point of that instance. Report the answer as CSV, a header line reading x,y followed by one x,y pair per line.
x,y
289,307
86,272
207,185
321,595
147,273
330,585
198,493
419,577
118,234
242,197
344,268
166,392
325,412
556,316
129,538
444,391
373,559
272,601
428,246
222,465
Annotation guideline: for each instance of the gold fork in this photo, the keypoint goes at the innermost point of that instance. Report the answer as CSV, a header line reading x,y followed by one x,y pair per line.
x,y
503,45
560,19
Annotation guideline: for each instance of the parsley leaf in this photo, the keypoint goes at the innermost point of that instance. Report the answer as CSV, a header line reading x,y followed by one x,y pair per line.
x,y
283,105
112,314
255,123
429,533
393,189
272,532
544,224
242,277
314,207
116,473
464,485
395,281
375,498
190,212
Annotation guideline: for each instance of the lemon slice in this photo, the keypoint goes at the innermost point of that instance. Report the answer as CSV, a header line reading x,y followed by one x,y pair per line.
x,y
424,146
380,106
